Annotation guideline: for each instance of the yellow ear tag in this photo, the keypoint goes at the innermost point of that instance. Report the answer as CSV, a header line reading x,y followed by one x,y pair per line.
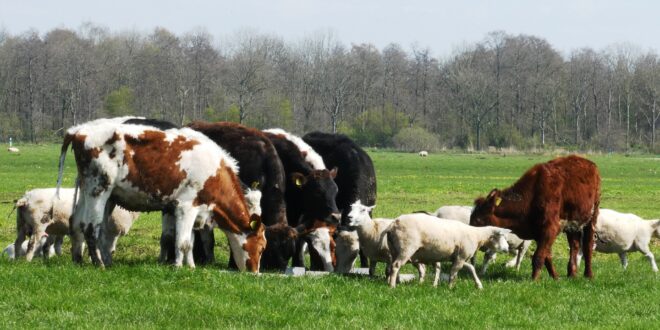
x,y
498,200
298,182
253,225
255,185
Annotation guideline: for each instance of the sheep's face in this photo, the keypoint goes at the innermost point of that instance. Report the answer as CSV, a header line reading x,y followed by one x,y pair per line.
x,y
359,214
497,240
484,209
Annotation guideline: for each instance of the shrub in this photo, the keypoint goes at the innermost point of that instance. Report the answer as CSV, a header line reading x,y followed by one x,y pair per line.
x,y
415,139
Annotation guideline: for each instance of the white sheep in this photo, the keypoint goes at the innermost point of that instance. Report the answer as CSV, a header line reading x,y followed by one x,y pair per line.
x,y
13,149
41,214
347,249
620,233
10,251
423,153
424,239
517,246
371,234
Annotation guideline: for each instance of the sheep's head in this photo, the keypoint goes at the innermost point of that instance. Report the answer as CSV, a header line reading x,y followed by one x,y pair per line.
x,y
253,200
497,241
359,214
484,209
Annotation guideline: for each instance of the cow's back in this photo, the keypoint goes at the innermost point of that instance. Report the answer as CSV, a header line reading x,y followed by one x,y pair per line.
x,y
580,182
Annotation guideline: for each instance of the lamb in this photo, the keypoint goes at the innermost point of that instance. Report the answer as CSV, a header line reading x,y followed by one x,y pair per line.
x,y
423,153
371,234
625,232
424,239
347,250
10,251
41,214
517,246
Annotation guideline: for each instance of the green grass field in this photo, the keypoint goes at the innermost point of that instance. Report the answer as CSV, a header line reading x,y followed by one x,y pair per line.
x,y
138,292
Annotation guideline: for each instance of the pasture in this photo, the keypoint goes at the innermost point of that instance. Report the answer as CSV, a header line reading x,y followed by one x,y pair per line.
x,y
138,292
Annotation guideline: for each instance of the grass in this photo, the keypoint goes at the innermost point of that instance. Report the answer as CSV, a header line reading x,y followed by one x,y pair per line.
x,y
137,292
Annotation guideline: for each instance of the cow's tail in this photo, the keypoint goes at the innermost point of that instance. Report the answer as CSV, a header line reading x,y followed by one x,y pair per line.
x,y
60,172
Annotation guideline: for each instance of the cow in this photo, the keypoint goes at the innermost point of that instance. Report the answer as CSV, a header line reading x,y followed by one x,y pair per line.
x,y
261,167
356,178
143,168
310,192
565,188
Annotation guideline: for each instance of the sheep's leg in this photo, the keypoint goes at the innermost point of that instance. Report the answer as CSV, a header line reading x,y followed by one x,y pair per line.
x,y
624,260
35,243
489,256
453,271
436,278
649,255
396,266
168,232
574,245
185,219
474,275
47,249
421,269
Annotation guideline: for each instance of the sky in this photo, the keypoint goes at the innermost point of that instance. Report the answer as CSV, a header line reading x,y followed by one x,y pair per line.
x,y
442,26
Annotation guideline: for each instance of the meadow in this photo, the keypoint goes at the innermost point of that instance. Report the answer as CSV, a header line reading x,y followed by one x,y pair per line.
x,y
138,292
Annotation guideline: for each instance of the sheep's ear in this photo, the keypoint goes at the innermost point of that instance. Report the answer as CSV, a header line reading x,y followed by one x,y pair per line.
x,y
504,231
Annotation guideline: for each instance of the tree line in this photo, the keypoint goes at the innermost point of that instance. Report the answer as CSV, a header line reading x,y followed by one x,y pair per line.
x,y
503,91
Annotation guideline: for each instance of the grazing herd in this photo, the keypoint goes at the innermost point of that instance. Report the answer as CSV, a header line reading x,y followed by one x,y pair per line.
x,y
277,196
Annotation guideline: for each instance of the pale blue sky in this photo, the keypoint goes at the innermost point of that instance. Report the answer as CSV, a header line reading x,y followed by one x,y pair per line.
x,y
440,25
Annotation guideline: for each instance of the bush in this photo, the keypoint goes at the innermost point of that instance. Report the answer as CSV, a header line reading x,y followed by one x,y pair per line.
x,y
415,139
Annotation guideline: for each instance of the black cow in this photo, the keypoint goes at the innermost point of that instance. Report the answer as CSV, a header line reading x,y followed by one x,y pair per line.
x,y
356,179
259,166
310,187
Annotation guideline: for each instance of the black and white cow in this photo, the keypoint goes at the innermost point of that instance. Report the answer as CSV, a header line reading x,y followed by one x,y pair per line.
x,y
356,180
310,195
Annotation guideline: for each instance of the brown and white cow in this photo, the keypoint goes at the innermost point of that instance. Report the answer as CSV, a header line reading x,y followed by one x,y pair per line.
x,y
533,208
142,168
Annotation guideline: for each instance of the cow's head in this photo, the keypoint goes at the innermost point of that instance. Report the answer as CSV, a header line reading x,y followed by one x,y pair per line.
x,y
280,248
484,209
359,214
319,191
254,245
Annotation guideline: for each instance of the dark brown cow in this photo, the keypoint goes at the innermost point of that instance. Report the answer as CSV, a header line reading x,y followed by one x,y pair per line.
x,y
534,208
259,166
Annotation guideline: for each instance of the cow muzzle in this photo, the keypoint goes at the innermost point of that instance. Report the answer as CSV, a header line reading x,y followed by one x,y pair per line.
x,y
334,218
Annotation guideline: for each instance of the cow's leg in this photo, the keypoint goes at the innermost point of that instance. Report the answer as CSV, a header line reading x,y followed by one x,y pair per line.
x,y
93,224
18,243
58,244
167,235
573,239
489,256
624,260
588,247
47,249
76,231
185,220
108,238
372,267
543,254
203,245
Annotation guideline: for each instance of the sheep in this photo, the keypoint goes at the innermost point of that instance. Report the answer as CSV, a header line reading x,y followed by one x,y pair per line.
x,y
10,251
347,250
625,232
41,214
517,246
371,235
423,153
13,149
424,239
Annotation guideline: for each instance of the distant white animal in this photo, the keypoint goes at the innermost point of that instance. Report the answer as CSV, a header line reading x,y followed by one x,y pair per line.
x,y
423,153
13,149
424,239
40,215
625,232
517,246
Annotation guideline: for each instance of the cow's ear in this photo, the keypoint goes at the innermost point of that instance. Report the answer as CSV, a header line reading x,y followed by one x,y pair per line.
x,y
298,179
493,193
333,172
